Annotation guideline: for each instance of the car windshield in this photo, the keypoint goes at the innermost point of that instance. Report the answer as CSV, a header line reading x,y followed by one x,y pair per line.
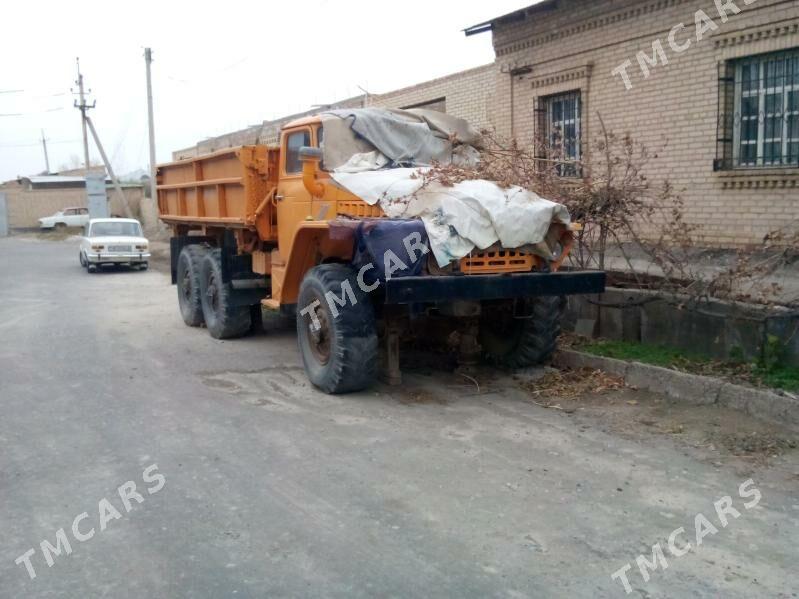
x,y
116,229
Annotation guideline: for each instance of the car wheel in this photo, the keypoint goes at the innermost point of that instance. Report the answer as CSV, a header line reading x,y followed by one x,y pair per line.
x,y
144,266
60,226
188,284
223,318
82,259
512,341
338,348
92,268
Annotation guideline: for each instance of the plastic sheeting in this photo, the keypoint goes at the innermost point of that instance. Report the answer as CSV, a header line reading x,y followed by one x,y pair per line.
x,y
457,219
370,152
384,137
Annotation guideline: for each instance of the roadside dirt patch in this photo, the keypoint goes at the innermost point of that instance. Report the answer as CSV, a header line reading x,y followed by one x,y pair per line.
x,y
411,397
568,384
60,234
597,399
159,256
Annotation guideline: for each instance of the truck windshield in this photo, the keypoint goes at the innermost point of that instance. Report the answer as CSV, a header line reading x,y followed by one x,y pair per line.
x,y
112,229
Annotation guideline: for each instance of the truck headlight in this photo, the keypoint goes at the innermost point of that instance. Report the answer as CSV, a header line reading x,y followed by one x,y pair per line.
x,y
141,247
97,248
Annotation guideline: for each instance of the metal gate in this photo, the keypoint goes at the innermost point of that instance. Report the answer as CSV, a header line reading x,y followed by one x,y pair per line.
x,y
96,198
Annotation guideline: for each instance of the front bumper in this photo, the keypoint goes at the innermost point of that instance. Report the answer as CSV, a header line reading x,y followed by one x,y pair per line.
x,y
411,290
126,258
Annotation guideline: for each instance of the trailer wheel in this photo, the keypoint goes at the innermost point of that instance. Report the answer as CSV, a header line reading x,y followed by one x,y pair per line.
x,y
223,319
525,338
340,354
188,284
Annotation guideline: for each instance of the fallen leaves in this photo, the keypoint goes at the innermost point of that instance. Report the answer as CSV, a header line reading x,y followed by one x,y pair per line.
x,y
570,384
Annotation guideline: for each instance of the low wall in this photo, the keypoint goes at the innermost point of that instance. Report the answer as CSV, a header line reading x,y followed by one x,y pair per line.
x,y
25,207
716,329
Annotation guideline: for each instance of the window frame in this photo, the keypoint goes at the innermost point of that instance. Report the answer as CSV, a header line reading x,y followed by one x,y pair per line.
x,y
765,119
285,158
570,165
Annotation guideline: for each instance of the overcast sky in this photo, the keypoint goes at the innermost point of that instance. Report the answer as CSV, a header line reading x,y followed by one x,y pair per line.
x,y
218,66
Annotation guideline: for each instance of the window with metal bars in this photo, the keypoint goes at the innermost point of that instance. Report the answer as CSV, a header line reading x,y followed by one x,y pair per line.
x,y
762,129
561,130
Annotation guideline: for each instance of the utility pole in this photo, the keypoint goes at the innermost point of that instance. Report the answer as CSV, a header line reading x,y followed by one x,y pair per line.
x,y
46,159
111,174
83,107
86,122
148,59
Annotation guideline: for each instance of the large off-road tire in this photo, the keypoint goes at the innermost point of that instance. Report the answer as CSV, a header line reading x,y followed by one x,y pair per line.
x,y
188,284
524,338
341,354
223,319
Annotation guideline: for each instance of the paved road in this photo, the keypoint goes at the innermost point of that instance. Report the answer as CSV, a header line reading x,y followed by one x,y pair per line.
x,y
272,489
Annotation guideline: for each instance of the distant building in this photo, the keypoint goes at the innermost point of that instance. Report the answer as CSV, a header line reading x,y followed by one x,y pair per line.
x,y
30,198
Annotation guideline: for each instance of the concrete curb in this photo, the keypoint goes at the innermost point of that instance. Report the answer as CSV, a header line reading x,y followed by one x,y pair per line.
x,y
691,388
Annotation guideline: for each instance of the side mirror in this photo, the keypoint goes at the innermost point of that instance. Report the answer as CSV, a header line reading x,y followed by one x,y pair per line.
x,y
309,153
310,158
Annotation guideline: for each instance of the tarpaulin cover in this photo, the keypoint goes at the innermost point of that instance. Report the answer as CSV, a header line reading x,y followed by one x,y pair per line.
x,y
393,137
391,244
380,156
457,219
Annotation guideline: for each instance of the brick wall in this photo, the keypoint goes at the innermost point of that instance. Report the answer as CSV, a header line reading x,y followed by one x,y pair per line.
x,y
575,45
26,206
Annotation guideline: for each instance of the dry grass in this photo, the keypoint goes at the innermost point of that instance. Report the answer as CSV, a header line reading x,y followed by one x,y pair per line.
x,y
570,384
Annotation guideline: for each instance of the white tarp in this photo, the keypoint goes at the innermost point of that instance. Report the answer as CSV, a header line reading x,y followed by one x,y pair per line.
x,y
370,152
470,214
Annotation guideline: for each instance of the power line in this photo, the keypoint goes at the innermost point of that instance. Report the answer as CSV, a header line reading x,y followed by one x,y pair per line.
x,y
22,91
33,112
36,143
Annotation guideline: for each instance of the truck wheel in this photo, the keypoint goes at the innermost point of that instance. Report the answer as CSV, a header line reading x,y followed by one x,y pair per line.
x,y
188,284
525,339
83,261
340,354
223,319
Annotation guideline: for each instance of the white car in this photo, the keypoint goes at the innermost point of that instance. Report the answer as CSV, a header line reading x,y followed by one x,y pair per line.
x,y
68,217
113,241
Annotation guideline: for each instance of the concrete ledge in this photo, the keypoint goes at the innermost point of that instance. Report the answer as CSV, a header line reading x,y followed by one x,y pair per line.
x,y
696,389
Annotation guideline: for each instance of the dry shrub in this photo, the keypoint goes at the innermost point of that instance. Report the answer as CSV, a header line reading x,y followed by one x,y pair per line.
x,y
608,192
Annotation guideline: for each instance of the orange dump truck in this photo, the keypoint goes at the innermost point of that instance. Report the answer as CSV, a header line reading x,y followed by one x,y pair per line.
x,y
279,228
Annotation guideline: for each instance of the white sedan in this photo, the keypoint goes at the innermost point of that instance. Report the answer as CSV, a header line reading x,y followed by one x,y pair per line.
x,y
113,241
68,217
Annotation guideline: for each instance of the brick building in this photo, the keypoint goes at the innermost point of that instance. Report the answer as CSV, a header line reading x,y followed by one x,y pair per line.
x,y
712,85
717,92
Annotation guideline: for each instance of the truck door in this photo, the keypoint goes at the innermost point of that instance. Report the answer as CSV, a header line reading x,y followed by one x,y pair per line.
x,y
322,208
293,200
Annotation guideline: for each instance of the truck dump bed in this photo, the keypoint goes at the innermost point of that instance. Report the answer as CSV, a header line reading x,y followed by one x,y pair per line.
x,y
231,188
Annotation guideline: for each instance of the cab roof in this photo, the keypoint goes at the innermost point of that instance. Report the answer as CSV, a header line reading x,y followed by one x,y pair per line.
x,y
306,120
